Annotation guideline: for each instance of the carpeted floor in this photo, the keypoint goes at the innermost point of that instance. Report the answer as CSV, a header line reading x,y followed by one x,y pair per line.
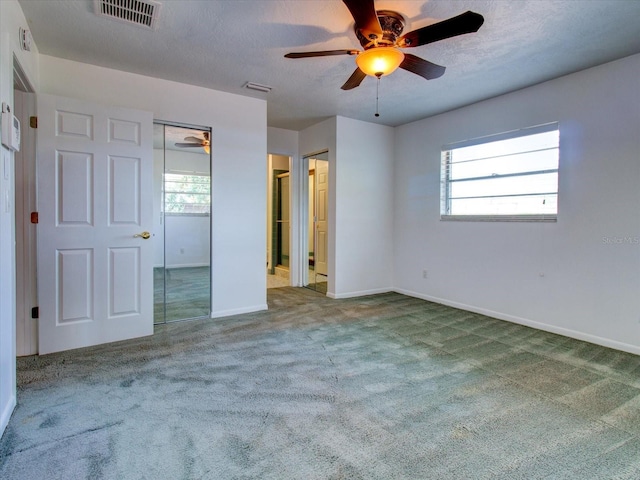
x,y
382,387
181,293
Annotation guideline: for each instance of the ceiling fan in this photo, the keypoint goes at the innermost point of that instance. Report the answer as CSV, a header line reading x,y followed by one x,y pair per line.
x,y
380,34
205,142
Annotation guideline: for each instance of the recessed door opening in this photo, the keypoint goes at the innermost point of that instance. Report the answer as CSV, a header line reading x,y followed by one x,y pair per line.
x,y
279,222
182,218
318,175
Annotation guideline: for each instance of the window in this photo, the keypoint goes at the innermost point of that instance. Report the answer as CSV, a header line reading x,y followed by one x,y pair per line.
x,y
510,176
187,194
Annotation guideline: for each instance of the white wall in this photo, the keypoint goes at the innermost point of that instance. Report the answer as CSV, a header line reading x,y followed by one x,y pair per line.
x,y
239,149
11,19
282,142
360,203
363,208
579,276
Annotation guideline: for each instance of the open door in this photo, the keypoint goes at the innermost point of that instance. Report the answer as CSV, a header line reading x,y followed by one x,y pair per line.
x,y
95,256
318,218
321,214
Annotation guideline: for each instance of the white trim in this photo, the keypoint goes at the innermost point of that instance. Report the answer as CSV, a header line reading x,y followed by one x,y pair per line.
x,y
239,311
360,293
498,137
500,218
6,413
183,265
566,332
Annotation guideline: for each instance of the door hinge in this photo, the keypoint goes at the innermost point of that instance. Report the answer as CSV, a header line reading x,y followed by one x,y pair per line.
x,y
34,217
35,312
33,122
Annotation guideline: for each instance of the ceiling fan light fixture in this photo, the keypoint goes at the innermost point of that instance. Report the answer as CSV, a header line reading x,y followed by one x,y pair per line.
x,y
379,61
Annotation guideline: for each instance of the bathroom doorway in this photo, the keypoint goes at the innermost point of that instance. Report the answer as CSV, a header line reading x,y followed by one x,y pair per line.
x,y
278,222
182,222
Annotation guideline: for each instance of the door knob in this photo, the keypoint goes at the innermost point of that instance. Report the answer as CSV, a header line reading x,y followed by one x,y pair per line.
x,y
144,235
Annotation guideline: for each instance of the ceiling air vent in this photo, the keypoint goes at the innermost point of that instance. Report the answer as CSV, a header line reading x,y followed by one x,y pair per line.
x,y
143,13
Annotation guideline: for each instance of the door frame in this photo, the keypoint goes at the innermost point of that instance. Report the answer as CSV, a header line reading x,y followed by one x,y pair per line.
x,y
169,123
25,231
301,255
272,173
273,221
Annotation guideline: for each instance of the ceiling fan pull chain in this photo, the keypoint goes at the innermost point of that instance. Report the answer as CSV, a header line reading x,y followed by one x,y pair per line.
x,y
377,92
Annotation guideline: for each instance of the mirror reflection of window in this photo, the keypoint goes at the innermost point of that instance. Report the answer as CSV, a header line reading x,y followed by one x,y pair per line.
x,y
182,203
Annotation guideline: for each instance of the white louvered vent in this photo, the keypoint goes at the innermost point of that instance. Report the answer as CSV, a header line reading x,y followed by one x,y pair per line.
x,y
143,13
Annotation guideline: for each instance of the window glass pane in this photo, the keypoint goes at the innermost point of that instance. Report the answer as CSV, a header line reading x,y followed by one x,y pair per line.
x,y
518,163
506,147
542,183
511,176
530,205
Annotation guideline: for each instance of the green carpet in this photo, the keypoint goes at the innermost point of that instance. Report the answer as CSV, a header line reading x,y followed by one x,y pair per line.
x,y
181,293
381,387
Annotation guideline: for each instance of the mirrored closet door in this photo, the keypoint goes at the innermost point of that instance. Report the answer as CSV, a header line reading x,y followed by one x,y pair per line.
x,y
182,229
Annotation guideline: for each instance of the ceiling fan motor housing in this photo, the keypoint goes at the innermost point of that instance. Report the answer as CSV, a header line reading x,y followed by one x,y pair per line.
x,y
392,24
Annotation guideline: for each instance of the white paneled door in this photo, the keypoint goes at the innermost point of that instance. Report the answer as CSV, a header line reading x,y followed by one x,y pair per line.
x,y
322,211
95,266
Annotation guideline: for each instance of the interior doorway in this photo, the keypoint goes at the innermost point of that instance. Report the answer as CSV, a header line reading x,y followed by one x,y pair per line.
x,y
278,221
318,178
25,203
182,225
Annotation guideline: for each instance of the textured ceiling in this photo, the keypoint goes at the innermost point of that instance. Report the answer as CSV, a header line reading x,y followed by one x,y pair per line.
x,y
222,44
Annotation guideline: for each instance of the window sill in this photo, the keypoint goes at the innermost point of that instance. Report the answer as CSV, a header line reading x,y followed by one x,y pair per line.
x,y
499,218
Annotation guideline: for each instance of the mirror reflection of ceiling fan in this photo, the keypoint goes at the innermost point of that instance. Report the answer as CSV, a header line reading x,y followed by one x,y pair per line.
x,y
380,35
204,143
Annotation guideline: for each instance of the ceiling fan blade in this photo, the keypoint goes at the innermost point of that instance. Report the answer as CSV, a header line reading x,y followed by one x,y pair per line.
x,y
422,67
324,53
354,80
193,139
365,16
188,145
467,22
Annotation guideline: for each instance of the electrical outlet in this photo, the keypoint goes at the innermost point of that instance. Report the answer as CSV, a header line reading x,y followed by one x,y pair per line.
x,y
425,274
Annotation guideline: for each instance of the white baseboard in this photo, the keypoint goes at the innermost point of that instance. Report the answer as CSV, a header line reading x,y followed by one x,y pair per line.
x,y
361,293
186,265
604,342
6,413
238,311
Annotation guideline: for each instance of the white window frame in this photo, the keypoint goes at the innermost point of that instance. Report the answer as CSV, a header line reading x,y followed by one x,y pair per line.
x,y
445,184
